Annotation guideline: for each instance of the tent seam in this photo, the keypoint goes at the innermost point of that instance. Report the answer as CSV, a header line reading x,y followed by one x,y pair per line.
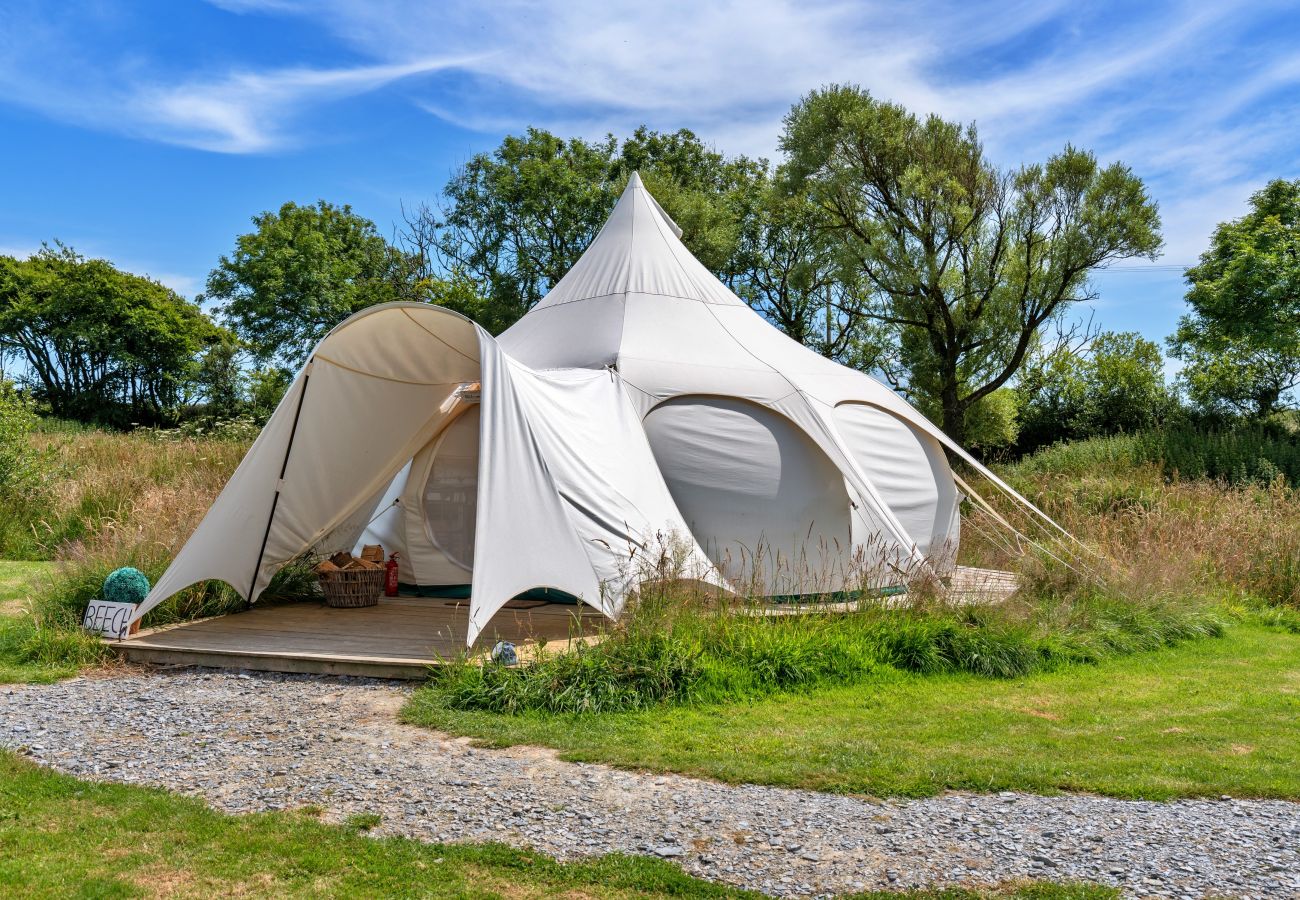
x,y
406,312
366,374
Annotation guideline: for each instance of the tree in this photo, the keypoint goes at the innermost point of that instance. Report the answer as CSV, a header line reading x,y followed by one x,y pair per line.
x,y
515,220
512,222
301,272
219,377
99,344
787,267
963,264
266,388
1113,383
1241,340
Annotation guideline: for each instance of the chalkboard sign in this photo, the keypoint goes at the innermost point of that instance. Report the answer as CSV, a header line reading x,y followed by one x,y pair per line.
x,y
109,619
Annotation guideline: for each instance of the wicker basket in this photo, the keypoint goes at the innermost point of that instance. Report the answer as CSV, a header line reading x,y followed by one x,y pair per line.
x,y
352,587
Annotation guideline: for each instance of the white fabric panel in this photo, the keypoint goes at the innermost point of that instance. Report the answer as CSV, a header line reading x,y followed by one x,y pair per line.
x,y
385,525
886,543
346,534
604,470
406,342
354,434
764,502
523,538
579,334
225,545
848,385
662,380
907,468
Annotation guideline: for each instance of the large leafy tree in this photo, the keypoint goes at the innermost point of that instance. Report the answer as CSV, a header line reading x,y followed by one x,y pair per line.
x,y
513,221
301,272
99,344
1241,340
962,263
788,268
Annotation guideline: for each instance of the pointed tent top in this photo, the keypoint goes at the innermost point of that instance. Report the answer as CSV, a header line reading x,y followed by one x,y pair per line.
x,y
638,251
635,183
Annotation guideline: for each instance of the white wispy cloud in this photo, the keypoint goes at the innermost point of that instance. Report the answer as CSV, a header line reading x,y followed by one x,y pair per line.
x,y
248,112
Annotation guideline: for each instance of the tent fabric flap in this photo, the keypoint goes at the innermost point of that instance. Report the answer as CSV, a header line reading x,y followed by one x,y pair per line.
x,y
524,539
226,543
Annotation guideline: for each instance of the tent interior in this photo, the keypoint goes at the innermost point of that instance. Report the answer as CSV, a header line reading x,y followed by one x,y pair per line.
x,y
640,419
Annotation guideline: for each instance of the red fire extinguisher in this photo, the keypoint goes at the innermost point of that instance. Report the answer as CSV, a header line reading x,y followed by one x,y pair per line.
x,y
390,577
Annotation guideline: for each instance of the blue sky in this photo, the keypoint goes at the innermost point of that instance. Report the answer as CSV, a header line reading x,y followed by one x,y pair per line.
x,y
150,132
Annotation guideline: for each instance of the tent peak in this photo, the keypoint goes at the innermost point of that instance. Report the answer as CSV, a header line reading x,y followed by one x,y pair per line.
x,y
634,184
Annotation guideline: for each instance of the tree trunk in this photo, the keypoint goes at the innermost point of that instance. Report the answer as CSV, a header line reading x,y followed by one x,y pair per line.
x,y
954,412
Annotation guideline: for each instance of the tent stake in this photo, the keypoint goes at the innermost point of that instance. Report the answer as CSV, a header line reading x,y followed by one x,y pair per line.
x,y
284,467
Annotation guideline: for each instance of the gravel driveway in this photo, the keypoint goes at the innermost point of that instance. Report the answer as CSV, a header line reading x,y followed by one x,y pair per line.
x,y
252,742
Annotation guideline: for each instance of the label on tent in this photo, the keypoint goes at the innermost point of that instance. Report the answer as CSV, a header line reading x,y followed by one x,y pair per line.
x,y
109,619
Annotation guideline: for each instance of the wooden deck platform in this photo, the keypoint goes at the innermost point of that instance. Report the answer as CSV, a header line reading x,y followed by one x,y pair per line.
x,y
970,585
400,638
403,636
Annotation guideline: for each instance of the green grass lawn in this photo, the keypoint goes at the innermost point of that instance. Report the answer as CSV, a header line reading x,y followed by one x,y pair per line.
x,y
60,837
16,581
1209,717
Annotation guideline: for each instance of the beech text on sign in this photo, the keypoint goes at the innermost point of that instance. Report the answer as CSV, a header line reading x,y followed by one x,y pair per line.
x,y
109,619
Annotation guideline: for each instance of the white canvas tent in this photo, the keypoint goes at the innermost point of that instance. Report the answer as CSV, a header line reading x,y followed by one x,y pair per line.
x,y
640,403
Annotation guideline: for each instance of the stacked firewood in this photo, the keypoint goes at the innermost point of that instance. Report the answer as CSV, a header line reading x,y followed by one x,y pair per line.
x,y
371,557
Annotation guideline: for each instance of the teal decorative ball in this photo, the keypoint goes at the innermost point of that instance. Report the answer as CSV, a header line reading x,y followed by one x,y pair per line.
x,y
126,585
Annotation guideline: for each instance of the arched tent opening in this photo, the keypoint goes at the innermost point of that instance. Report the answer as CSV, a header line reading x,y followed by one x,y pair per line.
x,y
373,392
766,504
436,508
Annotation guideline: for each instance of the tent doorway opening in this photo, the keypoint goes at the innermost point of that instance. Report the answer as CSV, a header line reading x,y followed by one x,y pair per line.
x,y
449,498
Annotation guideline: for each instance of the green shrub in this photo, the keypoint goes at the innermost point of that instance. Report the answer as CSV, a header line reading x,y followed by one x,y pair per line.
x,y
1248,454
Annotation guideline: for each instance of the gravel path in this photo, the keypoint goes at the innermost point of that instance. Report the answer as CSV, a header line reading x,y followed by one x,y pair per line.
x,y
254,742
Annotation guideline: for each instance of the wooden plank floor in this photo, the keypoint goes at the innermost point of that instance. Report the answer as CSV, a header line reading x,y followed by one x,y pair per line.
x,y
966,586
399,638
971,585
403,636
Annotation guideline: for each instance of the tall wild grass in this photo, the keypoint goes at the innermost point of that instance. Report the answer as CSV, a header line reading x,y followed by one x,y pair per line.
x,y
1161,534
110,500
134,487
677,646
1168,552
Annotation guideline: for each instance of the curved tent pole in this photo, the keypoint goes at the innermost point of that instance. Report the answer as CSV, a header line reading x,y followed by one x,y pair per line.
x,y
284,467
